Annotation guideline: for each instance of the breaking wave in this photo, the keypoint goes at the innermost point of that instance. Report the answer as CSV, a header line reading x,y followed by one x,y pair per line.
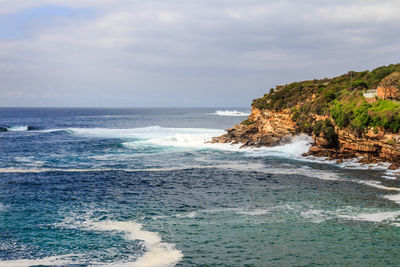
x,y
156,137
230,113
143,133
17,128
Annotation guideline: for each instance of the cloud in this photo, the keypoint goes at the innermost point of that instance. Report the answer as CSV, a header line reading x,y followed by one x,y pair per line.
x,y
193,53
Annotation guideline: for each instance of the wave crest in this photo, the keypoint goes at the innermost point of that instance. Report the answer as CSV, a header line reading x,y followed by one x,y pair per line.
x,y
234,113
16,128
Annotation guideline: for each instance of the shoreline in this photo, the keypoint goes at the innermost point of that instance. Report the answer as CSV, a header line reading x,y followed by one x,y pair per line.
x,y
266,128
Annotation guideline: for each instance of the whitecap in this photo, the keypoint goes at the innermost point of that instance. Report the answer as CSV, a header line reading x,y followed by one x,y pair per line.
x,y
143,133
192,138
17,128
234,113
373,217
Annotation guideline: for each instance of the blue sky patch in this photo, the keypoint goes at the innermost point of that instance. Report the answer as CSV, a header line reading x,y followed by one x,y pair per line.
x,y
19,25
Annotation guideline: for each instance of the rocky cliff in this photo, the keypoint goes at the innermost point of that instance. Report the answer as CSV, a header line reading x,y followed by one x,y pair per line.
x,y
262,128
270,128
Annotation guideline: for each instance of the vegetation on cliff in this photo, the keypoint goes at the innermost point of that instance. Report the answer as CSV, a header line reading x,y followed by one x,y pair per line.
x,y
340,99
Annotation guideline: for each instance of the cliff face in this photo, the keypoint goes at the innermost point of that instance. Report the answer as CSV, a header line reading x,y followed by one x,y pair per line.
x,y
271,128
262,128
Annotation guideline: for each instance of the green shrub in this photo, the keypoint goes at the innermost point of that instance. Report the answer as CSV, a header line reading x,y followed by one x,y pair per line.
x,y
340,97
317,127
295,114
247,122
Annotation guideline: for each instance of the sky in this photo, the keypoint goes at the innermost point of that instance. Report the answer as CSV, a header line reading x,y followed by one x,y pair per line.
x,y
183,53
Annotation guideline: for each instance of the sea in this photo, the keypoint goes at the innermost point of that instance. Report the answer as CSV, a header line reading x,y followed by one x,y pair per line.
x,y
143,187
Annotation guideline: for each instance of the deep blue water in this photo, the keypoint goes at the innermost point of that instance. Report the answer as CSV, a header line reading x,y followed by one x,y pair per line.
x,y
140,187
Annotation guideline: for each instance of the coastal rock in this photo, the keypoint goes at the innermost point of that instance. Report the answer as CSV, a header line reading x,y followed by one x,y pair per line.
x,y
271,128
262,128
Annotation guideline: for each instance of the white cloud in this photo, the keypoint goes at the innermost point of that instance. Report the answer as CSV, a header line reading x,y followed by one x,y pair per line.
x,y
362,12
141,50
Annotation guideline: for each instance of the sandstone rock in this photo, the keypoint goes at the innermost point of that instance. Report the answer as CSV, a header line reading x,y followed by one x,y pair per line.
x,y
272,128
394,166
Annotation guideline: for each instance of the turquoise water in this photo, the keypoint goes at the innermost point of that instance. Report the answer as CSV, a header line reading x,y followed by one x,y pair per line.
x,y
140,187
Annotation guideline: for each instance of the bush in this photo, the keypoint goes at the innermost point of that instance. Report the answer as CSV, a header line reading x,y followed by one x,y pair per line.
x,y
317,127
295,114
341,98
304,127
247,122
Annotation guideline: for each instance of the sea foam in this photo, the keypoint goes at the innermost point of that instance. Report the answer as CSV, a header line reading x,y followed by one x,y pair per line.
x,y
158,253
373,217
394,198
47,261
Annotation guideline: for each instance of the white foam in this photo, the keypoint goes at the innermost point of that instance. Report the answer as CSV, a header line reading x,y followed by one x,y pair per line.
x,y
48,261
181,140
29,161
255,212
298,145
109,116
315,216
190,215
389,177
144,133
234,113
158,253
378,185
349,163
305,171
373,217
394,198
17,128
193,138
391,174
239,166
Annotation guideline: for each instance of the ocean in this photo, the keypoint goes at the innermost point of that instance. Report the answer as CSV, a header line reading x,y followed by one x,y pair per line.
x,y
141,187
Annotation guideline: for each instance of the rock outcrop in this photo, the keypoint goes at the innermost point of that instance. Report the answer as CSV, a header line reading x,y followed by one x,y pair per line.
x,y
270,128
262,128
